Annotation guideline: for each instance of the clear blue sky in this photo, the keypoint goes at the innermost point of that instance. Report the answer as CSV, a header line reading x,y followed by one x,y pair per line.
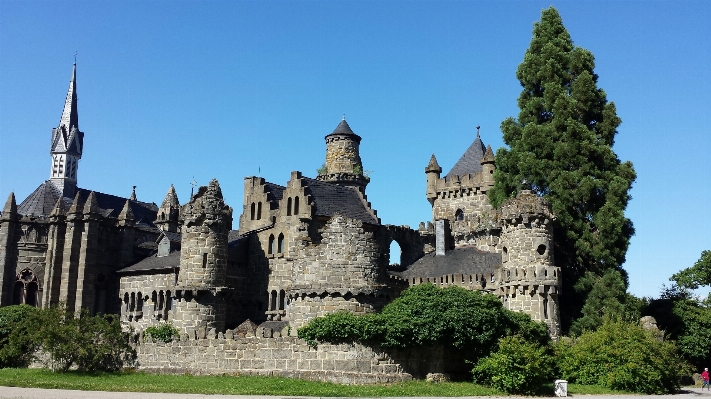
x,y
171,90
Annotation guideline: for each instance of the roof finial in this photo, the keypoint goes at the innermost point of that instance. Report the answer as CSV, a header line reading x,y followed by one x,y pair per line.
x,y
344,117
133,194
477,131
75,57
192,188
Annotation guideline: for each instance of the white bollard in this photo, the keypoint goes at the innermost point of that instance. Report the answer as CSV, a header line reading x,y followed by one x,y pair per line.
x,y
561,388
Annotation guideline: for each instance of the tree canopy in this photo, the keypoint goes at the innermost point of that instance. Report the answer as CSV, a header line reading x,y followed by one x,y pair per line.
x,y
560,147
697,275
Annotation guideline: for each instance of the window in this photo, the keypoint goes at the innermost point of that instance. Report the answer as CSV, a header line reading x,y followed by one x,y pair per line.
x,y
545,308
459,215
280,244
270,247
259,210
296,205
273,301
288,207
541,249
26,289
251,214
282,296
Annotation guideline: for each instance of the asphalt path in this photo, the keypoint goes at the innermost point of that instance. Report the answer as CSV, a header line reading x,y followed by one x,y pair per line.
x,y
37,393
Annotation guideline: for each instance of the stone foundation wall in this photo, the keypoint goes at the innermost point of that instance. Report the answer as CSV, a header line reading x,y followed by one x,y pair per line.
x,y
284,357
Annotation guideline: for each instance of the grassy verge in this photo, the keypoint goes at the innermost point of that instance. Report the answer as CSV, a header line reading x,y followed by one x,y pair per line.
x,y
228,385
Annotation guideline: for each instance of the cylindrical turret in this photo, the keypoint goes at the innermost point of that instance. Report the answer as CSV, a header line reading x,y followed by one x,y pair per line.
x,y
343,164
207,221
433,171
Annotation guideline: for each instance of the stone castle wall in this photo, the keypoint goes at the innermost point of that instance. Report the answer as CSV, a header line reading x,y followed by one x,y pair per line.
x,y
156,291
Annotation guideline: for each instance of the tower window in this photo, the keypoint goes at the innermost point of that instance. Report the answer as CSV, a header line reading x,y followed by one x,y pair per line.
x,y
288,207
204,261
259,210
459,215
296,205
541,249
280,244
251,214
270,247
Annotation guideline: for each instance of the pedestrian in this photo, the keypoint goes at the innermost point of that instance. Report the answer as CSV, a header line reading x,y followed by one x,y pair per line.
x,y
705,377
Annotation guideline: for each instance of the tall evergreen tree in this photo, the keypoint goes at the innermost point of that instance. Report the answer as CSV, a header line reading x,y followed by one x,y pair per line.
x,y
560,146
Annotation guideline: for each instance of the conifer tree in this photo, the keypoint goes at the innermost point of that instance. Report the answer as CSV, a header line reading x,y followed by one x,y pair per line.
x,y
560,147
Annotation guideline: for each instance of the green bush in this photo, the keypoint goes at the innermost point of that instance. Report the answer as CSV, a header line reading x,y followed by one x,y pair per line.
x,y
12,318
517,367
91,343
164,332
425,315
622,356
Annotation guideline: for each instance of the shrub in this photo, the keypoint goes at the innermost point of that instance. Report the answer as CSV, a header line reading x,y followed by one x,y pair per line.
x,y
91,343
622,356
517,367
19,353
425,315
164,332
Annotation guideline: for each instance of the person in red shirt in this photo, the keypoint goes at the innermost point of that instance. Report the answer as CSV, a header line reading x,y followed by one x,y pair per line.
x,y
705,377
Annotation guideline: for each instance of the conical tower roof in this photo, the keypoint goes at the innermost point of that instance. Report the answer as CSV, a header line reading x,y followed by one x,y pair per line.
x,y
470,162
344,129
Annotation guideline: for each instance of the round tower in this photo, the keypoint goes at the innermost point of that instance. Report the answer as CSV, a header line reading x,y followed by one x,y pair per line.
x,y
488,166
433,172
343,164
529,280
206,222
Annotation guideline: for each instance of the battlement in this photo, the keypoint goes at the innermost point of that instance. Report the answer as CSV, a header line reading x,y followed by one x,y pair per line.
x,y
524,208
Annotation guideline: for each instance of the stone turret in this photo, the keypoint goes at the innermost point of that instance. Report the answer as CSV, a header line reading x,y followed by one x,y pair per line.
x,y
488,166
433,172
67,144
206,222
169,212
529,279
343,164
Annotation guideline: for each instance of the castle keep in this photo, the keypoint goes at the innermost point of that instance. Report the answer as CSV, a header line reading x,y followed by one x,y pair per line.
x,y
301,249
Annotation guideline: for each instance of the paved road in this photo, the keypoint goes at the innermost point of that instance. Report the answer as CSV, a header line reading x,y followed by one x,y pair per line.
x,y
36,393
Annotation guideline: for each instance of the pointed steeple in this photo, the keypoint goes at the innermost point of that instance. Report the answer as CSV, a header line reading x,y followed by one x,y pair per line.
x,y
470,162
488,155
433,166
169,212
70,116
67,143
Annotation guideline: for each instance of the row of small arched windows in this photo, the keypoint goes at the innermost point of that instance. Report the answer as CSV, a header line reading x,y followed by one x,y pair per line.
x,y
279,248
26,289
133,302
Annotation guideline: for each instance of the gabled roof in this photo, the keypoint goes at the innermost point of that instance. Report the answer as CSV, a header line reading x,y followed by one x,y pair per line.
x,y
470,162
38,203
277,191
461,260
154,263
347,201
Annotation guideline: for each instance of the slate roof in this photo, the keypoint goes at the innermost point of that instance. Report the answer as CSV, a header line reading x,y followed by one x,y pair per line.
x,y
347,201
154,263
276,190
470,162
344,128
461,260
42,201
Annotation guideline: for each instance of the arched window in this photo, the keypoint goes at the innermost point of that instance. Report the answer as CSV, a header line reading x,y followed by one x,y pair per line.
x,y
125,301
26,288
259,210
251,213
132,307
273,302
168,304
459,215
288,207
280,244
154,298
282,296
139,302
545,308
270,247
296,205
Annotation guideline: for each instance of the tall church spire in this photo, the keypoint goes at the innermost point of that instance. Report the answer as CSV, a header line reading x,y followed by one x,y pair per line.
x,y
67,143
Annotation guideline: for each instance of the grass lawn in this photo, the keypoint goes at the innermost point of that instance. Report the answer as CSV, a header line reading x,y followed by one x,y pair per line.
x,y
227,385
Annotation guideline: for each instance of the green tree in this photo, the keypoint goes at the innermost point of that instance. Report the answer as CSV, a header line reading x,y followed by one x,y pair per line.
x,y
622,356
605,299
560,147
697,275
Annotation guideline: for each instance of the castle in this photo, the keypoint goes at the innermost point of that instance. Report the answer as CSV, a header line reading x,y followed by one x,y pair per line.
x,y
303,249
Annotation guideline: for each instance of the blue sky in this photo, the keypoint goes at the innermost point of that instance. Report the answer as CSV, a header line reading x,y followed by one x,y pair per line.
x,y
169,91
